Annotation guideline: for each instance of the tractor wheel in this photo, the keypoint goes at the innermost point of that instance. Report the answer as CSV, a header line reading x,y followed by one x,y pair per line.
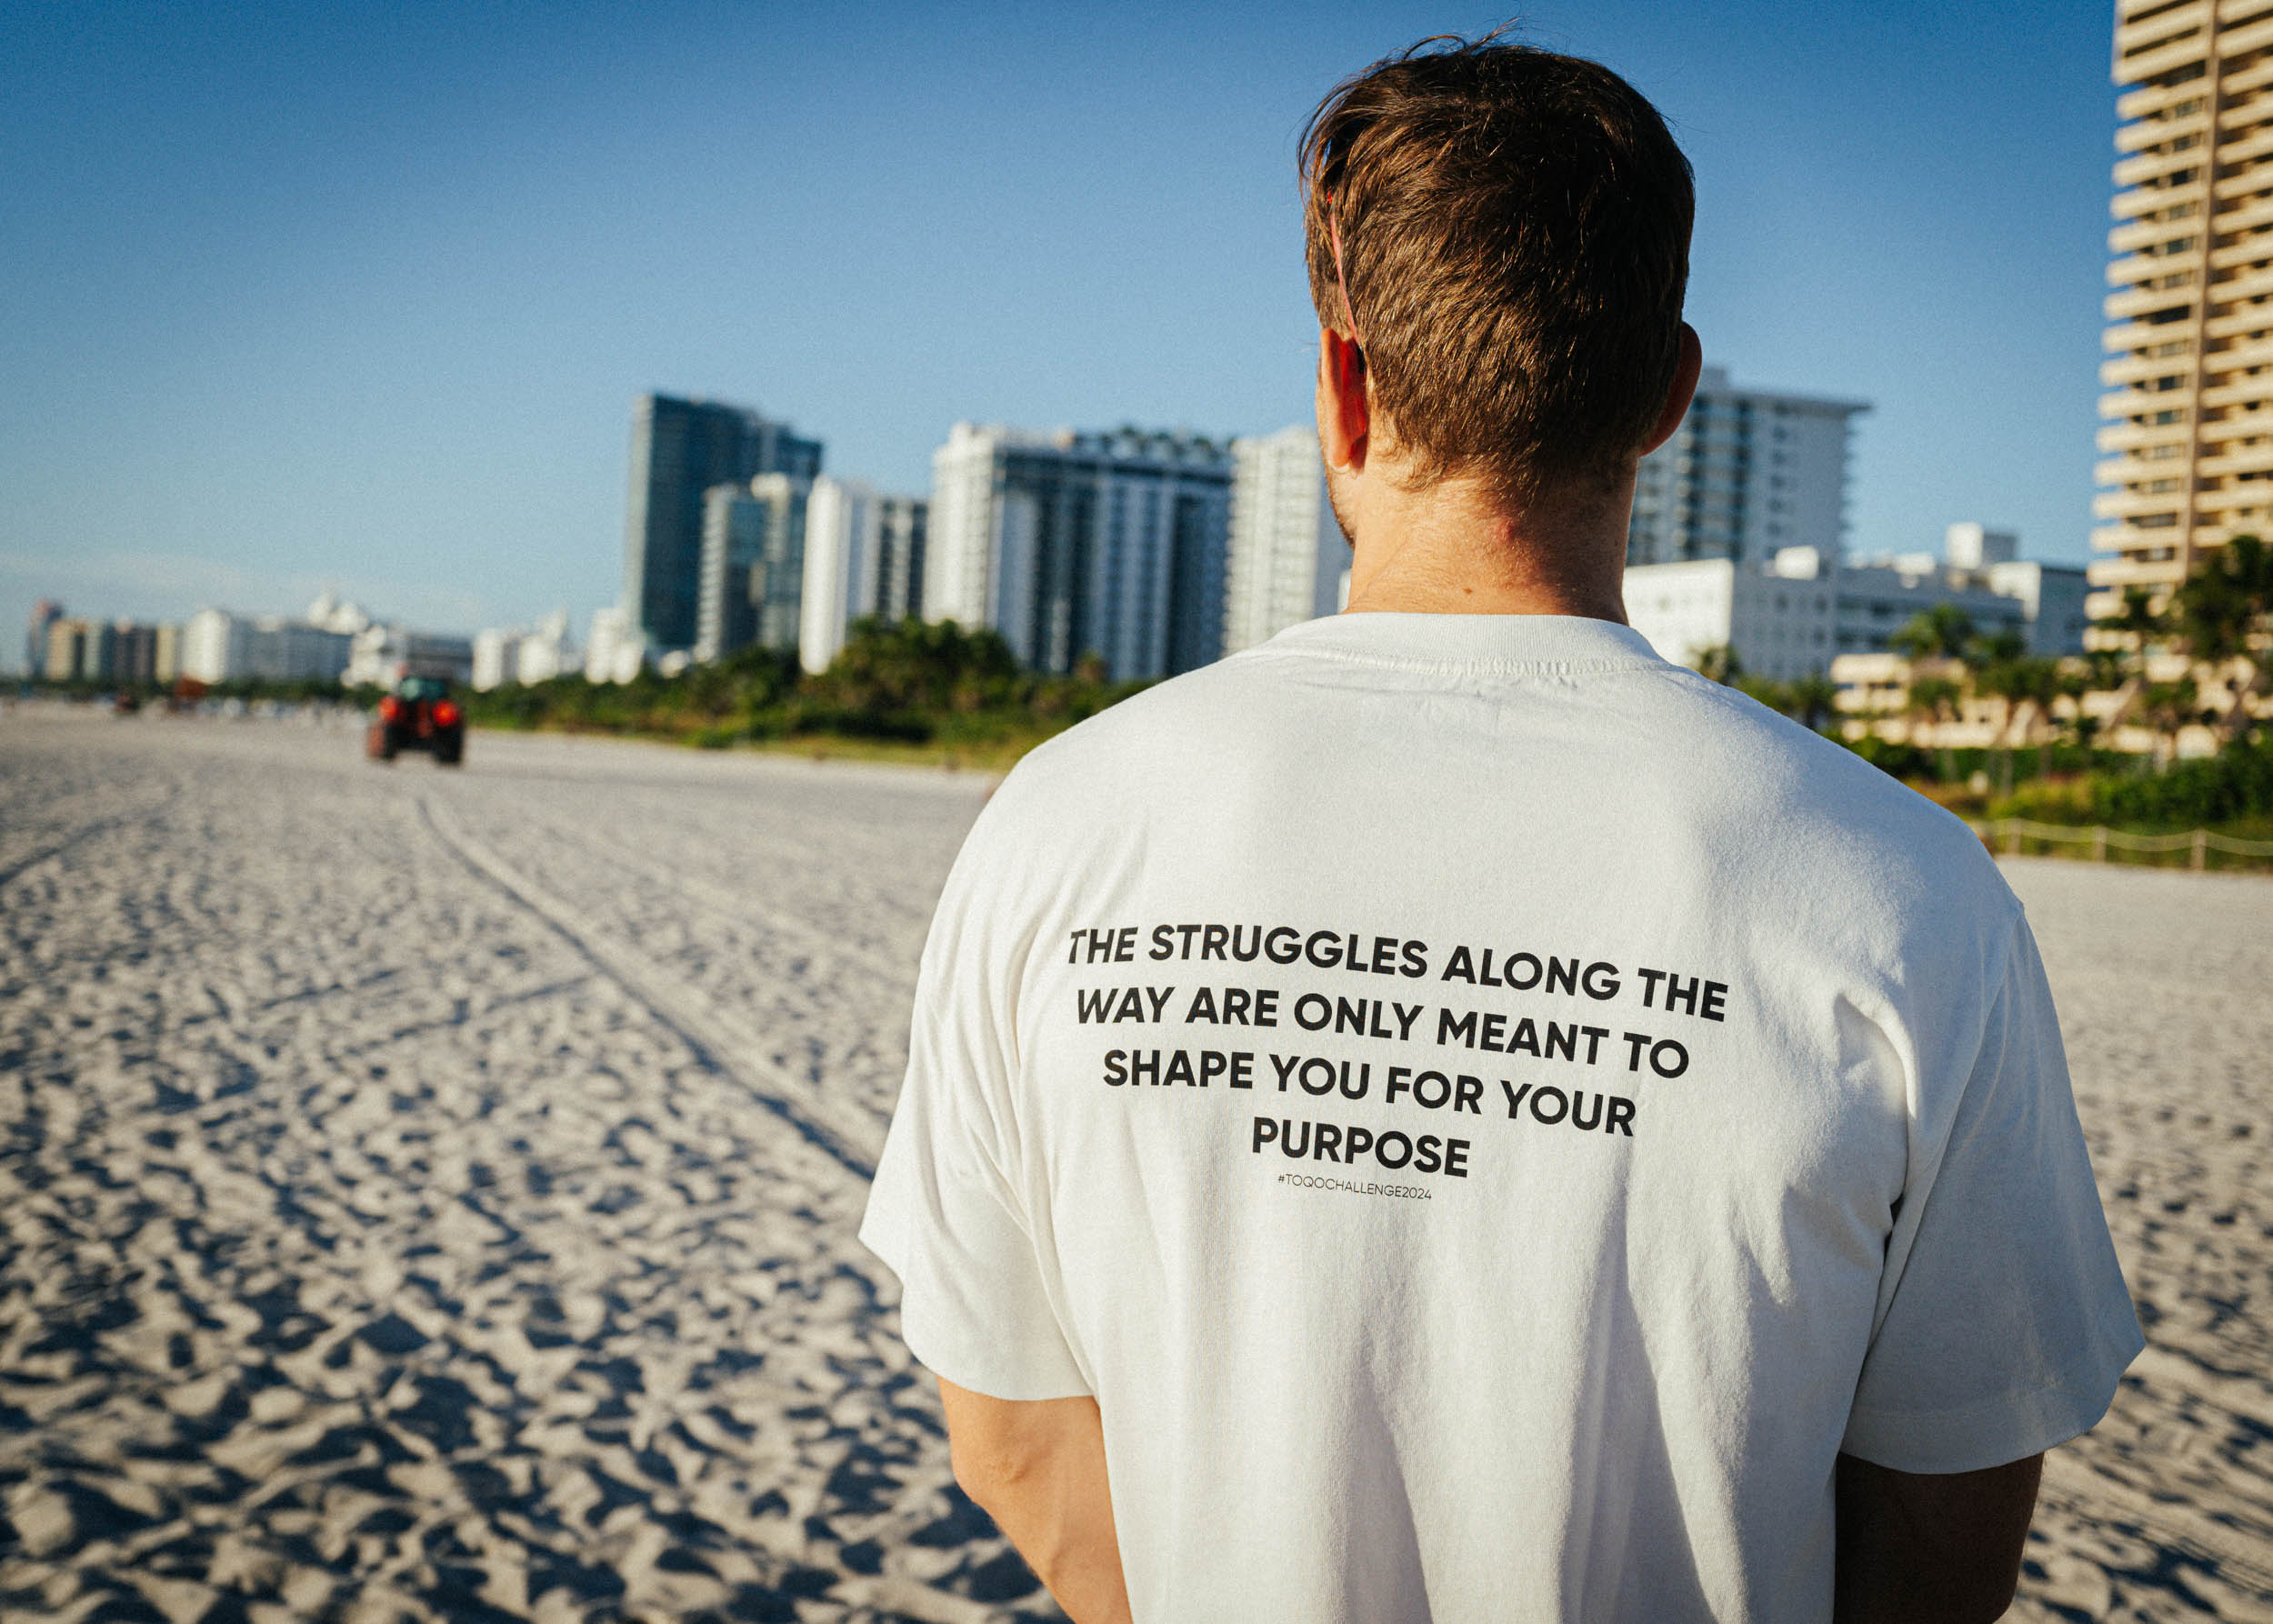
x,y
378,744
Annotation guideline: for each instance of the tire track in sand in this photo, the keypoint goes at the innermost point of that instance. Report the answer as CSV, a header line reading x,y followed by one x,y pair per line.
x,y
716,1039
747,914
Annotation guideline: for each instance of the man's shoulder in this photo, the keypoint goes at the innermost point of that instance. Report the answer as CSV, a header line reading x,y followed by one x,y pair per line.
x,y
1753,796
1153,737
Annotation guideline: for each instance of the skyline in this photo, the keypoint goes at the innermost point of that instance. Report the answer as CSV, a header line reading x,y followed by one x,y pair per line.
x,y
364,300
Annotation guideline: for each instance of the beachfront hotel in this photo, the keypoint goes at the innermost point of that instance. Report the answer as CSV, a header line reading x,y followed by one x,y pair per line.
x,y
2188,441
1072,544
1749,473
864,558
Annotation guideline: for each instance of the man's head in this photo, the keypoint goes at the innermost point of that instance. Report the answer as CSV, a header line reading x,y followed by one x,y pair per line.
x,y
1498,245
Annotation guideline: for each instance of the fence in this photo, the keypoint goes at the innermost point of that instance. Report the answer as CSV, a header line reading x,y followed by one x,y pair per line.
x,y
2011,836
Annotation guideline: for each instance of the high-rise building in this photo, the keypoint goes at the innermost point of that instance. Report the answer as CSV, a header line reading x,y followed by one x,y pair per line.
x,y
1075,544
679,450
1287,561
44,614
750,583
70,648
212,646
864,558
1749,473
134,653
2189,440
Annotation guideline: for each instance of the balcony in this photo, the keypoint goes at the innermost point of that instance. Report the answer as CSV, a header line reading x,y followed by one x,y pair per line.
x,y
2129,437
2245,507
2248,222
2239,392
2241,165
2149,234
2124,505
2145,132
2178,26
2142,167
2142,200
2143,366
2153,64
2123,539
2252,323
2238,40
2243,459
2135,268
2135,402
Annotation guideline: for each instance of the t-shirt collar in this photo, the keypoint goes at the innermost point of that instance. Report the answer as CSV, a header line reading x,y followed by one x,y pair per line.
x,y
1565,642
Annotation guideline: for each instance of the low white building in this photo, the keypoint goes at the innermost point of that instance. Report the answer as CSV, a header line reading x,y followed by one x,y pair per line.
x,y
384,655
496,656
1778,617
1287,561
1802,608
544,653
616,651
219,646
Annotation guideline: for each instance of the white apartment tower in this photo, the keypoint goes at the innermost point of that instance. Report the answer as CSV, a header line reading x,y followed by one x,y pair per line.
x,y
2189,440
1288,562
1073,544
863,557
1749,473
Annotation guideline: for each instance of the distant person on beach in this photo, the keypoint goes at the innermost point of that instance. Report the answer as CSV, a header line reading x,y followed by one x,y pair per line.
x,y
1447,1116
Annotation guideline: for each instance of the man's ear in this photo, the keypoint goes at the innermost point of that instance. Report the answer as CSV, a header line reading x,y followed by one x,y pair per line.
x,y
1345,412
1684,390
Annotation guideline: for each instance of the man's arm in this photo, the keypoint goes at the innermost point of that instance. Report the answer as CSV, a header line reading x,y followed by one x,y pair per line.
x,y
1038,1469
1938,1549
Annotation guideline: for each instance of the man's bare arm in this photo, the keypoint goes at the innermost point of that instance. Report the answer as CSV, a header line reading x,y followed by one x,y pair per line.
x,y
1038,1469
1934,1549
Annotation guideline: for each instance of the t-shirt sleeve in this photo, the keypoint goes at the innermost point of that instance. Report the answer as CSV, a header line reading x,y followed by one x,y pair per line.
x,y
2010,1324
948,1212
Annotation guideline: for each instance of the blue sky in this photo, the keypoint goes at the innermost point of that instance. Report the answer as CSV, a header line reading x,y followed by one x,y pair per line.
x,y
360,296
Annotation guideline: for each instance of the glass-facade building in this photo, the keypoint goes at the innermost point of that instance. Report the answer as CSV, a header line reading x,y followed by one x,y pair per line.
x,y
750,574
681,450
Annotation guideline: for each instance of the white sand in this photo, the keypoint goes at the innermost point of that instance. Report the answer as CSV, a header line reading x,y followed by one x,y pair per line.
x,y
430,1195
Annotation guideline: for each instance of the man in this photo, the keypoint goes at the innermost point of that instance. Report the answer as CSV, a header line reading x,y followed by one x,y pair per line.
x,y
1447,1116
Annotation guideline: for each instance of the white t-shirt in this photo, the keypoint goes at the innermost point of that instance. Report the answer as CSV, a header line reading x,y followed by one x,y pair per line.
x,y
1491,1115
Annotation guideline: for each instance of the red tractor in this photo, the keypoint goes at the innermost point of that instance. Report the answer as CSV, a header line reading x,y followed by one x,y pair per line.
x,y
420,715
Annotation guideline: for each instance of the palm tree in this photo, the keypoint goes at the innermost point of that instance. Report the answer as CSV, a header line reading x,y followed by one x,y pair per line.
x,y
1937,699
1720,663
2219,615
2167,708
1942,632
1815,700
2138,620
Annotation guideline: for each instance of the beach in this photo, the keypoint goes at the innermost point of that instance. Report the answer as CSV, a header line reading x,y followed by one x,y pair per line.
x,y
430,1193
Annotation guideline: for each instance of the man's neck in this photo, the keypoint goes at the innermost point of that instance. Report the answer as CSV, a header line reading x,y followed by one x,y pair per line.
x,y
1449,549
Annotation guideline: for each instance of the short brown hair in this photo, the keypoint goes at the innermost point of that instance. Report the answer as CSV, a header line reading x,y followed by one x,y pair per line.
x,y
1514,244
